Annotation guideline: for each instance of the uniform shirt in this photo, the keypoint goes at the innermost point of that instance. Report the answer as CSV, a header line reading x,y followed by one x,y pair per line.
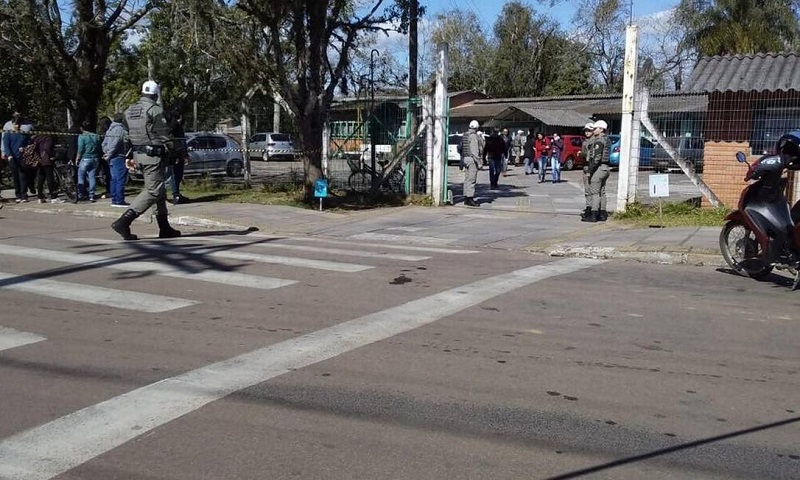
x,y
586,148
599,152
472,142
146,123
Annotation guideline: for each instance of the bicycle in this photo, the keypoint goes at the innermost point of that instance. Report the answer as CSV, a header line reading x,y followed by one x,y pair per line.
x,y
65,173
360,180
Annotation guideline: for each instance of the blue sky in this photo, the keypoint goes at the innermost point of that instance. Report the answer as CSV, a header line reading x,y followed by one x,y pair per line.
x,y
563,10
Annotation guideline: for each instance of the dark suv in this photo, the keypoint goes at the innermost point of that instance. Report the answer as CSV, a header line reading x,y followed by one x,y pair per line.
x,y
689,148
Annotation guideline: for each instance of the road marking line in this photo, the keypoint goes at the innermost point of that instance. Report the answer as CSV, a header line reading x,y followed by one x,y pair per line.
x,y
53,448
382,245
255,257
387,237
127,300
331,251
154,268
10,338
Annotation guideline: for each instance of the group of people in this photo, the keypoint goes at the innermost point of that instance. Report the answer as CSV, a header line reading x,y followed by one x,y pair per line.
x,y
537,152
142,137
499,149
540,152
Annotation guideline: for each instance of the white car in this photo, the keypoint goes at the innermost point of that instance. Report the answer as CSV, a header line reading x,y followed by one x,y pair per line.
x,y
271,146
453,146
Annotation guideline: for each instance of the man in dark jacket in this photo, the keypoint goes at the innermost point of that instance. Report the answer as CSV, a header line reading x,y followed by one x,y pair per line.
x,y
494,153
13,143
529,153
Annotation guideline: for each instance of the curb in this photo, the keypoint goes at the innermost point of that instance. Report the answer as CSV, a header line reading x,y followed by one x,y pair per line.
x,y
657,255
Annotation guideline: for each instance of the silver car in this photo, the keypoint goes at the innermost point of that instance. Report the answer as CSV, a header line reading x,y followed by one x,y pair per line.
x,y
209,154
271,146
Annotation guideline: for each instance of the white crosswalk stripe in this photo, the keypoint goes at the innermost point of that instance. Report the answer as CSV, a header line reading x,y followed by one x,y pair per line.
x,y
155,268
11,338
328,251
143,302
386,246
255,257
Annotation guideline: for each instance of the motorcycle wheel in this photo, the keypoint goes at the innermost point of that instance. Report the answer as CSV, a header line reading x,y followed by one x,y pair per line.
x,y
742,252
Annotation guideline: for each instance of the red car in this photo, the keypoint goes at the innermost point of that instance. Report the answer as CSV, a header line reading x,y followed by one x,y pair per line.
x,y
569,157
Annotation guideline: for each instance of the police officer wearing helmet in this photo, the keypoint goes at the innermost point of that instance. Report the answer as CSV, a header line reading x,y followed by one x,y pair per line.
x,y
598,151
588,133
148,133
471,158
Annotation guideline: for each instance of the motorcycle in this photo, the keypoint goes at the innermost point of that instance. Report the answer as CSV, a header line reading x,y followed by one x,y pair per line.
x,y
763,232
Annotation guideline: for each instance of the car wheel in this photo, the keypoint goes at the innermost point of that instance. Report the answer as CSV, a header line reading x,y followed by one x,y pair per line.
x,y
569,163
235,168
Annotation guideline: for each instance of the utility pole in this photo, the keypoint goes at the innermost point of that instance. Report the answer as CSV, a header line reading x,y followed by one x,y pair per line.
x,y
413,13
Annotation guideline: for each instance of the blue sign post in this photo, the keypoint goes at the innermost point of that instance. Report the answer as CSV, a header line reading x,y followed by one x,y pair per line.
x,y
321,190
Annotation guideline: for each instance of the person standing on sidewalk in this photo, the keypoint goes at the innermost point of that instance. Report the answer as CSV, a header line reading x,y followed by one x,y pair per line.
x,y
471,158
495,153
588,133
13,143
507,151
88,159
556,147
542,154
114,153
516,148
529,153
45,145
149,134
598,172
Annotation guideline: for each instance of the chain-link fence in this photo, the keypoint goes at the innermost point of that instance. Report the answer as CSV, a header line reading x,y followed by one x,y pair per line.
x,y
381,152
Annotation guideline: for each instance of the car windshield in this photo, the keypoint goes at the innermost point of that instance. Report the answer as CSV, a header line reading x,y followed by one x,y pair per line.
x,y
280,137
454,139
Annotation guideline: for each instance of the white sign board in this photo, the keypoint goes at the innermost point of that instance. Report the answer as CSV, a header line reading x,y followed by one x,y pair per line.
x,y
659,185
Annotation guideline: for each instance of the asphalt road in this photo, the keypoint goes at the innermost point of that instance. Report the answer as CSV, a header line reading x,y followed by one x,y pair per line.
x,y
227,355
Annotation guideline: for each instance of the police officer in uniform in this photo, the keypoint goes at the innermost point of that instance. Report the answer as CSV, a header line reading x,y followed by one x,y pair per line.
x,y
598,172
148,133
588,133
471,159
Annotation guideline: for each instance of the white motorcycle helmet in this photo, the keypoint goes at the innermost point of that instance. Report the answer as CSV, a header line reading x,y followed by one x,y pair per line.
x,y
150,88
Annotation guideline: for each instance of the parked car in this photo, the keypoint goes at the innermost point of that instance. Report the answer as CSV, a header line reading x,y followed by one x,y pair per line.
x,y
645,152
569,157
453,146
210,153
271,146
689,148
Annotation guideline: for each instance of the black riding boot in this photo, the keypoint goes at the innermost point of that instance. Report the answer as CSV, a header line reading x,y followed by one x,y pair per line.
x,y
123,225
468,201
592,217
164,228
586,212
602,216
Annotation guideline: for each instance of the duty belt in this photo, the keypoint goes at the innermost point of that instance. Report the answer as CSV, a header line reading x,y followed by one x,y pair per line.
x,y
151,150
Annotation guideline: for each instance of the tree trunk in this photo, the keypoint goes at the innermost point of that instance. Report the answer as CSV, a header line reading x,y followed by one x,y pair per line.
x,y
310,141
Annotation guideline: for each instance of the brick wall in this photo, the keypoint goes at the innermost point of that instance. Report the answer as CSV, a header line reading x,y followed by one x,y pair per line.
x,y
722,173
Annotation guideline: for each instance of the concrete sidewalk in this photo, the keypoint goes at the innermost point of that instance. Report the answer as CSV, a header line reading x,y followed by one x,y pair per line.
x,y
558,233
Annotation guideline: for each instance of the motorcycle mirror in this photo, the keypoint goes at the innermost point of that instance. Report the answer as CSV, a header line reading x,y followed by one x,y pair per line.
x,y
740,157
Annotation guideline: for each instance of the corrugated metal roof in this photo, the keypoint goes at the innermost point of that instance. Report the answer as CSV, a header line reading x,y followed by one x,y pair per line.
x,y
478,110
759,72
552,117
589,106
